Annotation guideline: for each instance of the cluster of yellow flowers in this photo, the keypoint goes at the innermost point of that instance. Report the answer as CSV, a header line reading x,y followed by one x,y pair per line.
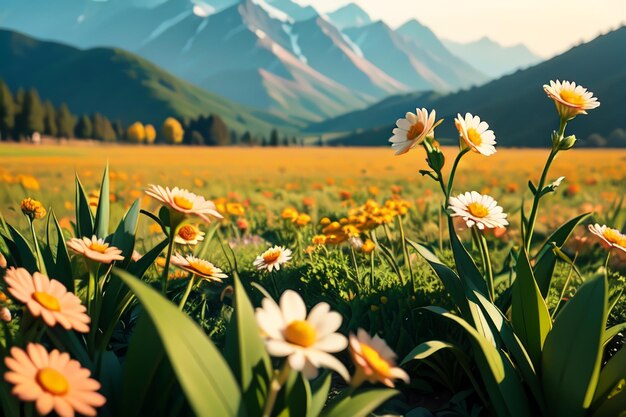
x,y
360,220
297,218
228,208
27,181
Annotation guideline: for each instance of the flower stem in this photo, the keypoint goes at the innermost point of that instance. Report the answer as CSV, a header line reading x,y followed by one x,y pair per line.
x,y
183,300
484,252
405,253
166,270
276,384
453,172
542,181
40,265
356,266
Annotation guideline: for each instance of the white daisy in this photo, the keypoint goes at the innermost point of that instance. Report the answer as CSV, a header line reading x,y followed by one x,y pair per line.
x,y
95,249
570,99
273,258
479,210
609,238
184,201
476,134
374,360
412,130
305,341
200,267
188,234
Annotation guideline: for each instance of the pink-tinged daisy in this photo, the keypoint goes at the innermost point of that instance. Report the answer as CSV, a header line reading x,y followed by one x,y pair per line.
x,y
609,238
306,341
273,258
374,360
184,201
95,249
478,210
200,267
47,298
53,381
476,134
412,130
570,99
188,234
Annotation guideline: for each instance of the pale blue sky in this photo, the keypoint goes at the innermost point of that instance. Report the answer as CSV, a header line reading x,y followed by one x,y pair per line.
x,y
547,27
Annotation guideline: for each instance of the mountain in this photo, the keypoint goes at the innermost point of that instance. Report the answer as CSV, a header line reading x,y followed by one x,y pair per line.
x,y
116,83
411,62
277,55
306,69
515,105
349,16
492,58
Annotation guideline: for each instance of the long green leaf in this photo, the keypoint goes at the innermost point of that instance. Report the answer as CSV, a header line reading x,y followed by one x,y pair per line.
x,y
101,225
125,234
27,258
140,267
245,352
465,265
546,260
529,313
572,351
204,376
84,217
610,396
61,266
360,404
319,394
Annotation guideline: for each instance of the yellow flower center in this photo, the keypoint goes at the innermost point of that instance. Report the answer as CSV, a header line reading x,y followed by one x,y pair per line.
x,y
202,267
613,236
373,358
183,202
301,333
572,97
99,247
477,210
415,130
52,381
271,256
187,232
474,136
48,301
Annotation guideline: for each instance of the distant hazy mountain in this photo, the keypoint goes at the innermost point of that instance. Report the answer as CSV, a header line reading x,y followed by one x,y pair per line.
x,y
492,58
273,54
116,83
349,16
421,62
515,106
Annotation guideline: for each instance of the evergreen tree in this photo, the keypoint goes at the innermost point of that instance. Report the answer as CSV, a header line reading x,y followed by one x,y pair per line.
x,y
218,132
285,141
50,120
65,122
246,139
20,96
84,128
274,140
31,116
102,128
118,127
7,112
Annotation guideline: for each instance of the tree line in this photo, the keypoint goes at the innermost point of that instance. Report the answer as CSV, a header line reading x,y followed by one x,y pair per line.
x,y
25,115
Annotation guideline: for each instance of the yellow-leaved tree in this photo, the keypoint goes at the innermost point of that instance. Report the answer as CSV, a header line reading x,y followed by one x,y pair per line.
x,y
173,131
150,134
136,133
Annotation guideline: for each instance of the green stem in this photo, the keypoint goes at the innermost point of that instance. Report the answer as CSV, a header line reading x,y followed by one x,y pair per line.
x,y
166,270
276,384
542,181
356,266
40,265
405,253
181,305
371,270
273,279
484,253
453,172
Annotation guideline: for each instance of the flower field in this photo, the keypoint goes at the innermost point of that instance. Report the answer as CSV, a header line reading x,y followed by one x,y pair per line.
x,y
465,281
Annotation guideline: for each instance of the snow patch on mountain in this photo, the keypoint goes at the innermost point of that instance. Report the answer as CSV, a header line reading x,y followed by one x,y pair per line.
x,y
295,47
202,9
357,50
166,25
273,12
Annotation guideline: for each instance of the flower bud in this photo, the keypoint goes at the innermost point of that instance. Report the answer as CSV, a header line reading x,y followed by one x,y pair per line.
x,y
5,314
567,143
33,208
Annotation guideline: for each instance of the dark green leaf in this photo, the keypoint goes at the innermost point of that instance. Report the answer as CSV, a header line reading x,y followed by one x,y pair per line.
x,y
101,225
